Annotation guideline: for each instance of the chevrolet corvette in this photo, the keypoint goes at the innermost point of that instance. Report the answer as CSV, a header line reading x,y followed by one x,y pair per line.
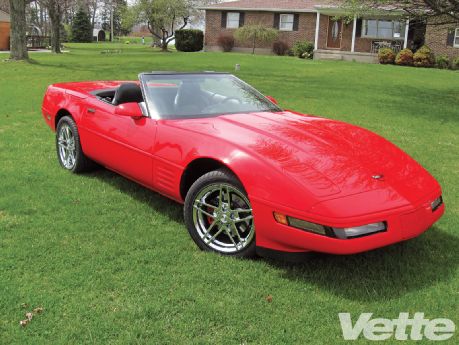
x,y
253,178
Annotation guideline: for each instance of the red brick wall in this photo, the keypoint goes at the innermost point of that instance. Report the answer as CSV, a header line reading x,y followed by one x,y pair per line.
x,y
436,37
306,31
4,36
306,28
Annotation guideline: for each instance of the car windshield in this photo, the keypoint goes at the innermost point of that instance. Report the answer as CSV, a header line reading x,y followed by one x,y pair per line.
x,y
201,95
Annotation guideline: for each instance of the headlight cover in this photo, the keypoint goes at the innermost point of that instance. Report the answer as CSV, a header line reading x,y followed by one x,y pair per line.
x,y
340,233
359,231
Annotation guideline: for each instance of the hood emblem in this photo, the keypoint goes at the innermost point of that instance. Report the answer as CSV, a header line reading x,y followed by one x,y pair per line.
x,y
378,177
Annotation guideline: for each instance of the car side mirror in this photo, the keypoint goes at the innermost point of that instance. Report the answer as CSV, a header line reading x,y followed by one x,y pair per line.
x,y
129,109
272,99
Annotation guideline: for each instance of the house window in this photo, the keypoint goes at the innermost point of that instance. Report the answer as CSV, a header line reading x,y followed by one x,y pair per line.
x,y
456,38
382,28
232,20
286,22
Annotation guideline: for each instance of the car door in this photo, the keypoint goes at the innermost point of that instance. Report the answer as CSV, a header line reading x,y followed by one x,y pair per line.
x,y
120,143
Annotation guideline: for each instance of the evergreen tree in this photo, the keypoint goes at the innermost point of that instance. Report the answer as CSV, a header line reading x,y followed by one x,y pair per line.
x,y
81,27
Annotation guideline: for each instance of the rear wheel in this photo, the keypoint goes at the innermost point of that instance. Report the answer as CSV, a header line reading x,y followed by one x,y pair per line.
x,y
219,216
69,152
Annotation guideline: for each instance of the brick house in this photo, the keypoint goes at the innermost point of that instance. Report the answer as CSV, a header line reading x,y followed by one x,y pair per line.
x,y
4,30
318,21
443,39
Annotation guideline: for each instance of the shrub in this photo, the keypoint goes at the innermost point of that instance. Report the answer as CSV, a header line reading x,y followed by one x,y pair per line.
x,y
303,49
280,48
424,57
226,42
404,58
256,34
455,63
189,40
386,56
442,61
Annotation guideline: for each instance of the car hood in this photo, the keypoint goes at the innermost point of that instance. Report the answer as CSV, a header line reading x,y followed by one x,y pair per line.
x,y
329,158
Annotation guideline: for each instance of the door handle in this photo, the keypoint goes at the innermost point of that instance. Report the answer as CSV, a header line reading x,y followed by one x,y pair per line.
x,y
91,110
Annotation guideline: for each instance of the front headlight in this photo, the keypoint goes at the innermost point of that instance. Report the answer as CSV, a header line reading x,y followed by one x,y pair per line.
x,y
341,233
359,231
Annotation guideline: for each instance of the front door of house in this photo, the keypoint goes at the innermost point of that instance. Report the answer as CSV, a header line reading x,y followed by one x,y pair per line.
x,y
335,33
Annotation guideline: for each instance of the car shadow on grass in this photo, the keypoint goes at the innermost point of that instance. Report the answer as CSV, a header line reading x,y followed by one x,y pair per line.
x,y
165,206
381,274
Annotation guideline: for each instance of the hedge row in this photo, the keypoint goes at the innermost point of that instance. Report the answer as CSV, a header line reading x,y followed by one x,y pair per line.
x,y
424,57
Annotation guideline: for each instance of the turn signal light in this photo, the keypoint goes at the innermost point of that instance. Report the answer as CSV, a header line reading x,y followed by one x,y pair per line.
x,y
280,218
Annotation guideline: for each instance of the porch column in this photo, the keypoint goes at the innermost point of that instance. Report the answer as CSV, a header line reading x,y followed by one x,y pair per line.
x,y
354,30
316,40
407,28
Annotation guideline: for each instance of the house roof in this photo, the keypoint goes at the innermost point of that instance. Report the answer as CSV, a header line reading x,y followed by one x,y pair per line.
x,y
4,17
273,5
322,6
5,6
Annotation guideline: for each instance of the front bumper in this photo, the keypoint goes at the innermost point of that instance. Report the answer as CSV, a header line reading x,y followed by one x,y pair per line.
x,y
403,223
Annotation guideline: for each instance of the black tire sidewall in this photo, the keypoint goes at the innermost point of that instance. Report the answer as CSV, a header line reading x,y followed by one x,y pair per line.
x,y
79,156
217,176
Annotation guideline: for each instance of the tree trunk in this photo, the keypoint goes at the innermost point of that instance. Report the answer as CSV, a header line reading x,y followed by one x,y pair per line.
x,y
112,31
18,42
164,42
54,10
94,11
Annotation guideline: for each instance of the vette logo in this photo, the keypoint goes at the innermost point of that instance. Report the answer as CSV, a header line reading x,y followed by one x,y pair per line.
x,y
403,328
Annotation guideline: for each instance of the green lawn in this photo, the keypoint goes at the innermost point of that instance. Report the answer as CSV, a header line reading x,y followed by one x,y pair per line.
x,y
112,262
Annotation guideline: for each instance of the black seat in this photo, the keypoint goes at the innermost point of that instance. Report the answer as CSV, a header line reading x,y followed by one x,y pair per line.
x,y
128,93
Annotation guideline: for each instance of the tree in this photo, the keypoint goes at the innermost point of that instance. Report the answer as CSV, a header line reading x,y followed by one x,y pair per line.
x,y
55,16
18,41
197,16
164,17
92,8
81,27
256,34
127,19
443,12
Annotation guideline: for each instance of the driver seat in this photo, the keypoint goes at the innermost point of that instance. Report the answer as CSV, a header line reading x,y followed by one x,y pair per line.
x,y
128,93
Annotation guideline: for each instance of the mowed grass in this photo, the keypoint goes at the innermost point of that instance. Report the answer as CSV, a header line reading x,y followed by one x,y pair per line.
x,y
112,262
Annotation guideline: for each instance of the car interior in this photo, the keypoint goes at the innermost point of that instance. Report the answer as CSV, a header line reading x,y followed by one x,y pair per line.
x,y
186,98
181,98
125,93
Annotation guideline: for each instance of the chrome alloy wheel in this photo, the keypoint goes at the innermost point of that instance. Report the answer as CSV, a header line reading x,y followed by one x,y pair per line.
x,y
67,149
223,218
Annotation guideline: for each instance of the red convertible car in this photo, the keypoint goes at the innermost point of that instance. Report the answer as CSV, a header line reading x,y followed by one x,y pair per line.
x,y
253,178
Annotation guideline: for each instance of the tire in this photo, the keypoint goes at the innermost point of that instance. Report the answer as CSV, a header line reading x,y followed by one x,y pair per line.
x,y
218,215
68,147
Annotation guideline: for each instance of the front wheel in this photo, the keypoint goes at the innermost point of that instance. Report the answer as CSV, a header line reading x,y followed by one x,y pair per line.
x,y
219,216
68,146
